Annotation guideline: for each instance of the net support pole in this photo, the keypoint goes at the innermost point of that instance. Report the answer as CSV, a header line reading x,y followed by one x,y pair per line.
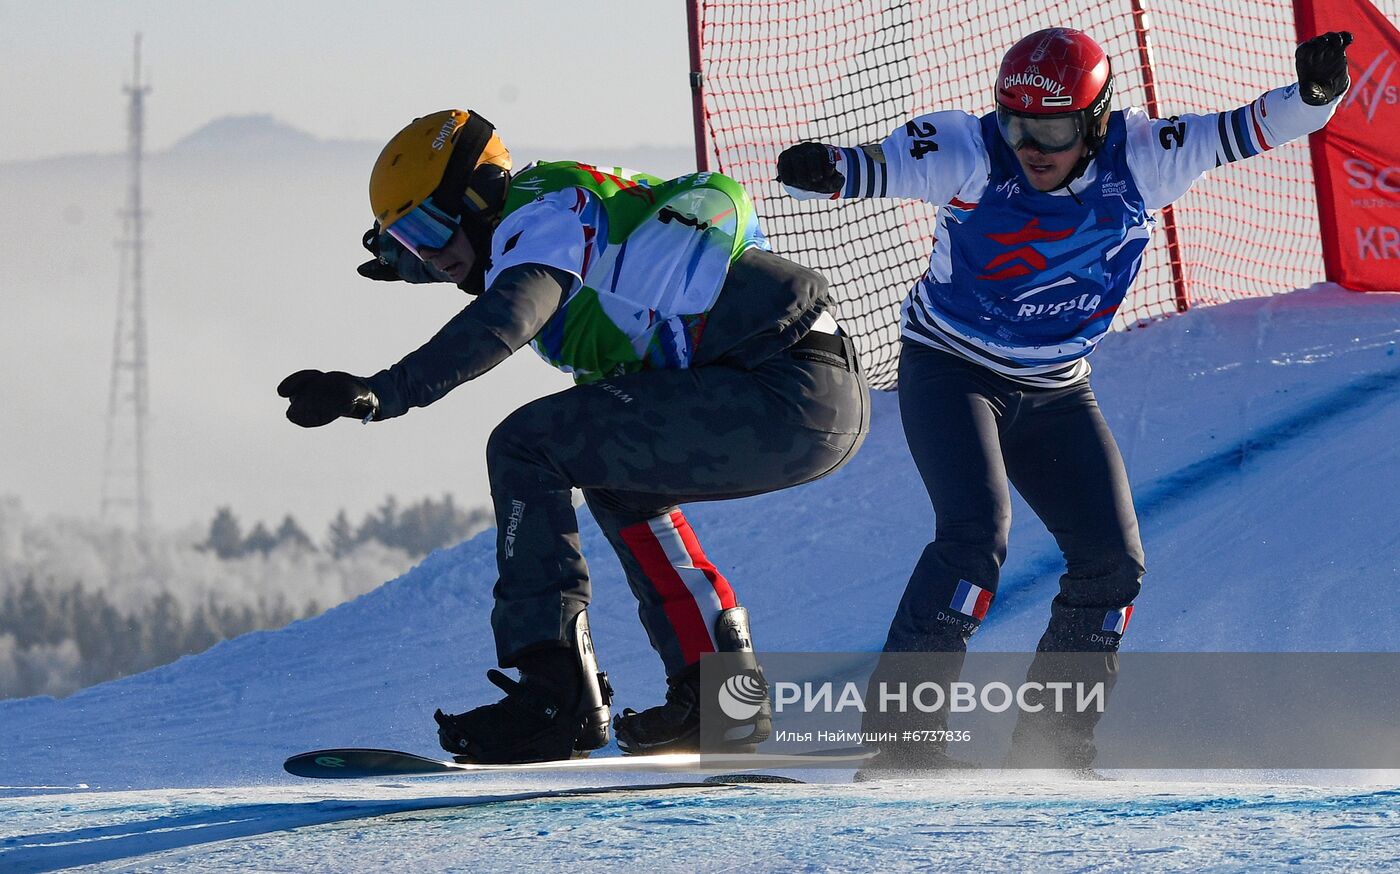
x,y
697,85
1142,23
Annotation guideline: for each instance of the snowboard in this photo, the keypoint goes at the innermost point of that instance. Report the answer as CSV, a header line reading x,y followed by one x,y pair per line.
x,y
354,763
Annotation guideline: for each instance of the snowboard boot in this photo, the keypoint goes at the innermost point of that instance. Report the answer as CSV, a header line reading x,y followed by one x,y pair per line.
x,y
556,710
674,727
905,761
1055,749
1063,742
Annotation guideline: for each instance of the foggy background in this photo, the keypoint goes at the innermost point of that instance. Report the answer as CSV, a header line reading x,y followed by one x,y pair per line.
x,y
262,126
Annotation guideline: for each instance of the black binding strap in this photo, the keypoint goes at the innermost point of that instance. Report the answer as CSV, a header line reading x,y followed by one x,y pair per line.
x,y
471,141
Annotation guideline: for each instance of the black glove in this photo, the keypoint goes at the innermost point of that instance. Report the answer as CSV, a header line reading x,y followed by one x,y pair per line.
x,y
810,167
392,262
320,398
1322,67
376,267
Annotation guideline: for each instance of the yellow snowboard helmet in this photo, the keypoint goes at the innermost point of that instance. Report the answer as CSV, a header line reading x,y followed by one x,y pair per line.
x,y
442,170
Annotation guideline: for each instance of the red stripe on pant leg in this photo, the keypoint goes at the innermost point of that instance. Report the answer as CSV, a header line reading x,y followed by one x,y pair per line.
x,y
697,557
676,601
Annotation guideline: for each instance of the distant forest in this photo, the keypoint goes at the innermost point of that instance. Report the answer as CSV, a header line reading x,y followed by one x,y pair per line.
x,y
82,603
417,530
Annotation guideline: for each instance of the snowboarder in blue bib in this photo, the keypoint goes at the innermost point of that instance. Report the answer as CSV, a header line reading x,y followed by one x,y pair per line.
x,y
707,368
1044,209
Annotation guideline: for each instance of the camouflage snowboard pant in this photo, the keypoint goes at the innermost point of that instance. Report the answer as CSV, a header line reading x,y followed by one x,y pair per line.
x,y
639,445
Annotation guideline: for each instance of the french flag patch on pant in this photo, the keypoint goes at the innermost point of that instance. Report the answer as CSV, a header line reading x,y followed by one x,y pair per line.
x,y
1117,620
971,600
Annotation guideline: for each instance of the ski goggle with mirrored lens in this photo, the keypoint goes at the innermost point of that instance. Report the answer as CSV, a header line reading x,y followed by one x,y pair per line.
x,y
1048,133
423,227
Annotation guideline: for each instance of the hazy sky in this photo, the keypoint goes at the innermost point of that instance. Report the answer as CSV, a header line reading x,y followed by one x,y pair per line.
x,y
342,70
238,297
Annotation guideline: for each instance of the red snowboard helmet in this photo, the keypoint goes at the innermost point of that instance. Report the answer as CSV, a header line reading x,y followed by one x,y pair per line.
x,y
1053,90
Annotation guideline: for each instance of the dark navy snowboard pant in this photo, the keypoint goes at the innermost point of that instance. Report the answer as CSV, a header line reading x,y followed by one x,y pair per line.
x,y
973,434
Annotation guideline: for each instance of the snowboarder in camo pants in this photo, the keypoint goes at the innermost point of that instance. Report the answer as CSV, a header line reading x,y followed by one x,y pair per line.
x,y
1043,215
707,368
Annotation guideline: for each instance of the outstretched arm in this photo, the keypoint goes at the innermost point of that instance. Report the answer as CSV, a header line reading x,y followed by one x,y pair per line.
x,y
505,317
1167,155
500,321
537,255
931,158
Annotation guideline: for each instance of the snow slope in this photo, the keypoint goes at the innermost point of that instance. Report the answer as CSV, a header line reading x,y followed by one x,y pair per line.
x,y
948,826
1261,440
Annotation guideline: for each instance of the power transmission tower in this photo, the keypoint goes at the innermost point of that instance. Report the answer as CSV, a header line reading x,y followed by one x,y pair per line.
x,y
124,480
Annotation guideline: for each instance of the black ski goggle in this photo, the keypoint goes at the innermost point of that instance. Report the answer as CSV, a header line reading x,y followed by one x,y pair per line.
x,y
1047,133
